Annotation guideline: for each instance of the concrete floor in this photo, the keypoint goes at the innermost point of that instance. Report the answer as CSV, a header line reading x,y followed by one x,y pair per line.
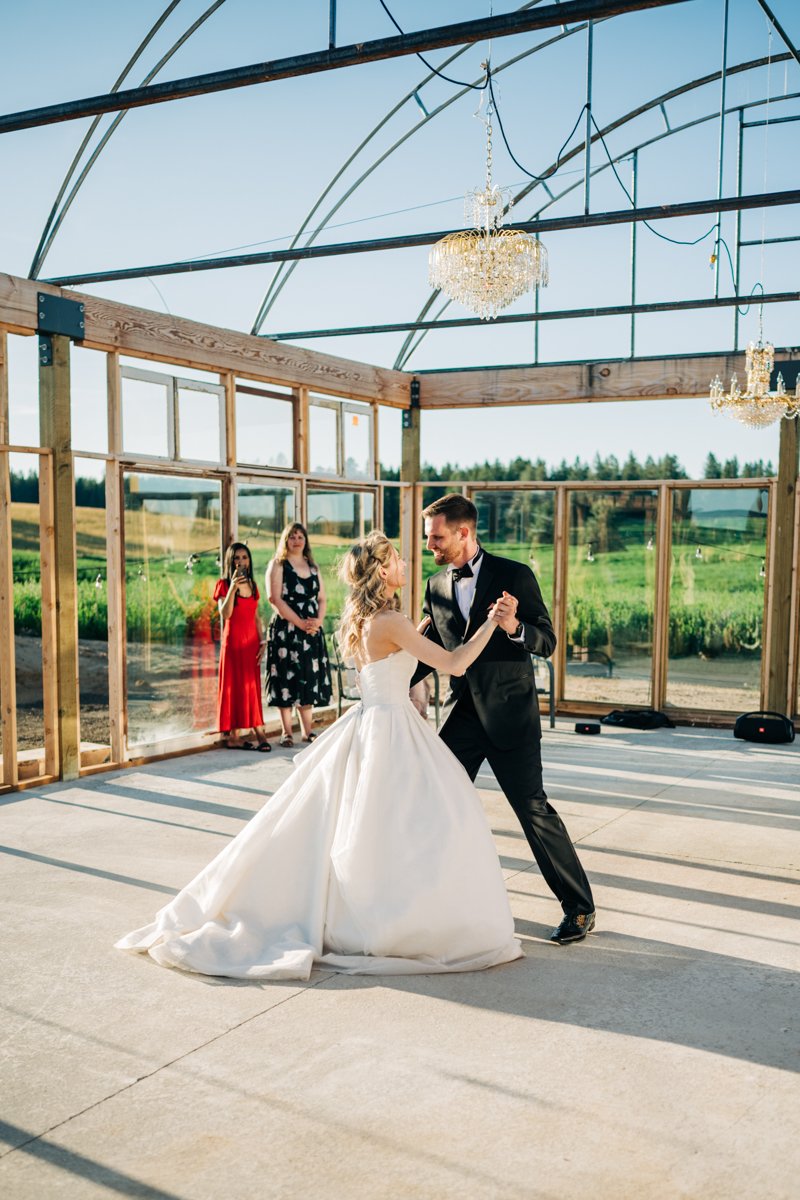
x,y
656,1060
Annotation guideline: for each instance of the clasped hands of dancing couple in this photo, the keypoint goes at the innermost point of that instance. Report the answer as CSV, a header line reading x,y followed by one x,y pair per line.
x,y
359,867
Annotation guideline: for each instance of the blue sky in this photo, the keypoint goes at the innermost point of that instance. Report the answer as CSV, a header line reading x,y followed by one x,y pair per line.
x,y
242,168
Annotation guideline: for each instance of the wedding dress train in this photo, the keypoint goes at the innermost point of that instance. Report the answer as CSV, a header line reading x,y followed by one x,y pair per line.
x,y
373,857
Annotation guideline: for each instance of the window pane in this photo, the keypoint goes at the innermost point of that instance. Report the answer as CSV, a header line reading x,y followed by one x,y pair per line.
x,y
390,434
519,524
611,596
264,429
335,521
26,566
717,598
23,390
323,455
172,541
199,416
263,512
91,561
89,390
357,444
145,415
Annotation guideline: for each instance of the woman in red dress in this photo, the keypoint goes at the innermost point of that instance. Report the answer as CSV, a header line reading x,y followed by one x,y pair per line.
x,y
239,696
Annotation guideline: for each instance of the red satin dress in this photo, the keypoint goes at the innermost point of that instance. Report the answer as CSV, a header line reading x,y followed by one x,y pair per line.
x,y
239,694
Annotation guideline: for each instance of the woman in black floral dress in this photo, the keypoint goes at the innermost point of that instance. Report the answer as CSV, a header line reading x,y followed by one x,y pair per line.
x,y
297,658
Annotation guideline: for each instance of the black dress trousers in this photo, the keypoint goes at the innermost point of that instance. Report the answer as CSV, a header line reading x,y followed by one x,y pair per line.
x,y
519,773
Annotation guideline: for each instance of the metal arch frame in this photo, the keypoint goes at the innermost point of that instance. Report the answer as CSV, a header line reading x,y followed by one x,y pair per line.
x,y
407,349
56,217
282,275
332,59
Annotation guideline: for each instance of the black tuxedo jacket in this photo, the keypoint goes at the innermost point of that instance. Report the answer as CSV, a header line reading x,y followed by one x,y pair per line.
x,y
501,680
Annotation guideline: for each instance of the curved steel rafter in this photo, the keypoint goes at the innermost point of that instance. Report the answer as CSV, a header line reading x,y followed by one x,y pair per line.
x,y
414,339
285,270
56,217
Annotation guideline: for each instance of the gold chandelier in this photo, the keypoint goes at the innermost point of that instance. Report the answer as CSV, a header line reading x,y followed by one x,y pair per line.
x,y
756,406
486,268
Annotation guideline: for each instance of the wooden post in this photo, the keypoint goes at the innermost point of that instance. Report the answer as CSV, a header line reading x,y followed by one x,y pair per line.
x,y
8,689
229,524
376,442
780,557
560,575
56,434
301,431
49,609
409,473
115,578
660,665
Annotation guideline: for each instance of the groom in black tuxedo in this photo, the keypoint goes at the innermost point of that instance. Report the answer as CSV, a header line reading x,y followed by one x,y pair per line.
x,y
492,712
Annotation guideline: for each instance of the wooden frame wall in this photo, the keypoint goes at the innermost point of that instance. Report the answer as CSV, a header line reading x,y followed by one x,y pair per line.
x,y
116,330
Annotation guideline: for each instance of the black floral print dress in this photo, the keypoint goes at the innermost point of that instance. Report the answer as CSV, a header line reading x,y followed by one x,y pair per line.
x,y
297,662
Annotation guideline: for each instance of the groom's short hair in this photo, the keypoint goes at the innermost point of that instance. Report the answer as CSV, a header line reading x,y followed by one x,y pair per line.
x,y
455,508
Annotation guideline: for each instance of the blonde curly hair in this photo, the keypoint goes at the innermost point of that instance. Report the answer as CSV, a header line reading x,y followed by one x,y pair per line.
x,y
360,570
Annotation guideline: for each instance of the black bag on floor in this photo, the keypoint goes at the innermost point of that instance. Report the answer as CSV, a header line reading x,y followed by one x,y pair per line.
x,y
637,718
764,727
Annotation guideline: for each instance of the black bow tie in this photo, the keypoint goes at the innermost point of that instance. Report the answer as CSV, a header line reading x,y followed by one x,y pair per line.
x,y
466,572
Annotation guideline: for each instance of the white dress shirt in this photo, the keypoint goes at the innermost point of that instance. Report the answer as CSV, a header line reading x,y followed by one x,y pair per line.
x,y
464,592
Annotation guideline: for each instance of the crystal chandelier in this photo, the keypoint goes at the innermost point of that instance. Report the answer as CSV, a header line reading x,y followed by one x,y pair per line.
x,y
756,406
487,267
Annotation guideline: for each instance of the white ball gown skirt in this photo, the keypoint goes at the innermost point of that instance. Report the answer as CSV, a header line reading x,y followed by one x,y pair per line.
x,y
374,858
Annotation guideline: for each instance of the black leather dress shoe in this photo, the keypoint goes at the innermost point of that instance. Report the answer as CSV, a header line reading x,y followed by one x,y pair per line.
x,y
573,928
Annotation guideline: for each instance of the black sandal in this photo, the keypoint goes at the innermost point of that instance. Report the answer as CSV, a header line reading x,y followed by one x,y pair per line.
x,y
264,748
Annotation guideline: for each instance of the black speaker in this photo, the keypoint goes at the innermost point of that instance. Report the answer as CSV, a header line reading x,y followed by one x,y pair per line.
x,y
764,727
587,726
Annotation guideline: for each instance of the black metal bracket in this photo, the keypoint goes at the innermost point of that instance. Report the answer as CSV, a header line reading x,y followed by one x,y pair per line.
x,y
408,413
57,315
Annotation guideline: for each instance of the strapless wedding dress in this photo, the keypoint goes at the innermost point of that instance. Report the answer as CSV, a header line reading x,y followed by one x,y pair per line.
x,y
374,857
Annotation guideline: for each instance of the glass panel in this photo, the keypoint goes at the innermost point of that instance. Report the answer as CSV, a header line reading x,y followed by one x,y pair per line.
x,y
264,510
390,434
392,505
26,565
23,390
264,429
323,453
336,520
519,524
172,540
429,567
199,417
717,598
611,596
89,388
145,417
92,560
357,444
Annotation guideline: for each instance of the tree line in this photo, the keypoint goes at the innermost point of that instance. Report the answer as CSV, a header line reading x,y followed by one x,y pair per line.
x,y
91,493
526,470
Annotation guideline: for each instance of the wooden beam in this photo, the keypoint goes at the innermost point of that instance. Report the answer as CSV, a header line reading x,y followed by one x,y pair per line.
x,y
780,559
56,433
593,382
163,338
409,473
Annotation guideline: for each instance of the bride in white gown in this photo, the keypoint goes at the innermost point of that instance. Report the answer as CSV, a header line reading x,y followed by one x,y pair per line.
x,y
375,856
